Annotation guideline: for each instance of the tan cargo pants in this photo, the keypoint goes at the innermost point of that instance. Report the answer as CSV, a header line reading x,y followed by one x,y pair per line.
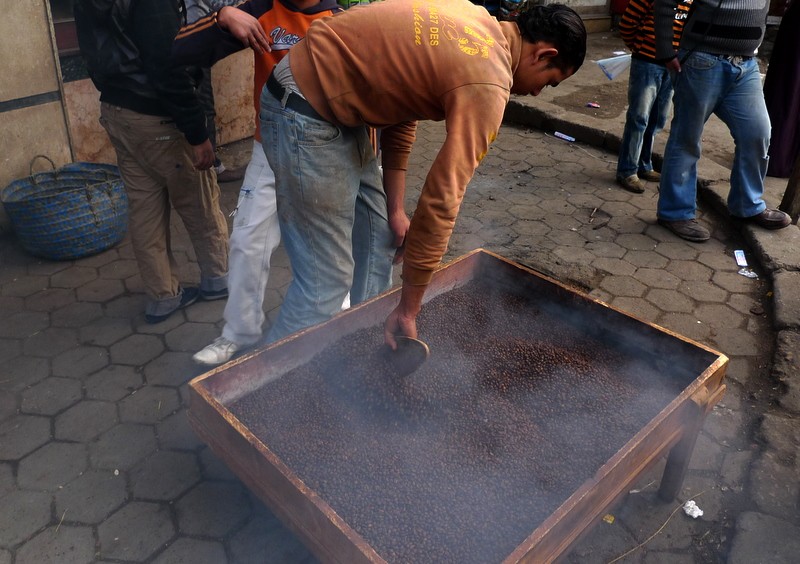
x,y
155,162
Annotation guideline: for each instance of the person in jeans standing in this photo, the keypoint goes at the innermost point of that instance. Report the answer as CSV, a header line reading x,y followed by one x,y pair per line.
x,y
649,93
715,71
157,127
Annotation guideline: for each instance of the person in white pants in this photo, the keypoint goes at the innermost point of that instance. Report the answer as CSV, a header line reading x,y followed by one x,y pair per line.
x,y
255,236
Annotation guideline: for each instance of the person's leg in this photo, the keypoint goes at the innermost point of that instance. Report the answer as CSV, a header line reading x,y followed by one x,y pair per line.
x,y
134,138
255,236
744,111
317,170
642,93
195,196
658,116
372,237
697,89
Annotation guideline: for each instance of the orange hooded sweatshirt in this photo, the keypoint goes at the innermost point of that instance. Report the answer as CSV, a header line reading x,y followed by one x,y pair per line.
x,y
389,64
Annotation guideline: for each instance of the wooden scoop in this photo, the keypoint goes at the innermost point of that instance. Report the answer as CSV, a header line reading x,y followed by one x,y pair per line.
x,y
409,356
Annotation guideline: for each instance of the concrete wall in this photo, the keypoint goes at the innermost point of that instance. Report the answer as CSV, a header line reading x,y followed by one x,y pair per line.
x,y
32,119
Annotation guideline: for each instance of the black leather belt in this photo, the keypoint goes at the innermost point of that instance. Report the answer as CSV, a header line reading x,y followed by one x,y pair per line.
x,y
293,101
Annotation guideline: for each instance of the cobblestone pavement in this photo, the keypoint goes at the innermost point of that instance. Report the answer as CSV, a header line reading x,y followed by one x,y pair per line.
x,y
98,462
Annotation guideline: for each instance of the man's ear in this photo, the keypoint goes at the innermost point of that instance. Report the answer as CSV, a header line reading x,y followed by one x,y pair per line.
x,y
543,52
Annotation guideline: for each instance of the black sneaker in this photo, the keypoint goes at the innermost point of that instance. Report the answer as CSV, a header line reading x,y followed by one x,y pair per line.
x,y
211,295
188,297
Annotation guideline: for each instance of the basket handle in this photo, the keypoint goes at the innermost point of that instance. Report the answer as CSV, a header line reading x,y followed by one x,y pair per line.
x,y
33,160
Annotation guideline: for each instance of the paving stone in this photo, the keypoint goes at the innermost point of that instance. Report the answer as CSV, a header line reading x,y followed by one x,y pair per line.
x,y
24,286
100,291
119,269
678,251
5,556
735,469
170,369
603,543
266,540
113,383
7,482
52,466
703,291
645,259
175,433
208,312
50,299
726,425
213,509
192,551
164,475
136,350
623,286
644,515
149,405
737,341
686,325
787,299
774,486
109,255
781,433
50,342
10,349
670,301
614,266
73,277
191,337
734,282
637,307
135,532
80,361
23,324
46,268
51,396
8,404
787,369
762,538
657,278
213,467
85,421
91,497
63,544
139,441
76,314
11,304
744,303
126,307
21,434
24,512
665,557
104,332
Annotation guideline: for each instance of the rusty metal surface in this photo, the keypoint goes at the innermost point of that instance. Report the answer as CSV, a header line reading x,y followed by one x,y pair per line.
x,y
314,499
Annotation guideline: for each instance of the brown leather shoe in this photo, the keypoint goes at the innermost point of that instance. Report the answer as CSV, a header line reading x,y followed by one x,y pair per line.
x,y
650,176
631,184
770,219
687,229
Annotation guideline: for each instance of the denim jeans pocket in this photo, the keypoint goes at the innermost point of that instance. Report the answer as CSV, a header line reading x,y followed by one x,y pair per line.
x,y
313,132
701,61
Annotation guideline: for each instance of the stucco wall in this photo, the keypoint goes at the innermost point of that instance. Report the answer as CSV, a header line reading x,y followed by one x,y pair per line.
x,y
31,115
233,92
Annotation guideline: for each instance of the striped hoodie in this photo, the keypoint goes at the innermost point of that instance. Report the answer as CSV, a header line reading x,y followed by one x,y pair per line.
x,y
637,27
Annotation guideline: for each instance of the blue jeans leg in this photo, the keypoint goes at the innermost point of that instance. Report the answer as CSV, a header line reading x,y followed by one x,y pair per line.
x,y
744,111
649,102
710,84
324,174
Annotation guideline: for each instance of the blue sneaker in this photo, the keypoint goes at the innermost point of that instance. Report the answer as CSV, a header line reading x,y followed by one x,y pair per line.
x,y
188,297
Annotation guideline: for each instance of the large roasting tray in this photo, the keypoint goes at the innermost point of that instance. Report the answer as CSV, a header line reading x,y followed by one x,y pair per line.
x,y
672,432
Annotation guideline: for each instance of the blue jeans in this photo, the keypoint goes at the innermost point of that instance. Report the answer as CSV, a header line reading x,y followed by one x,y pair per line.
x,y
649,101
332,214
712,84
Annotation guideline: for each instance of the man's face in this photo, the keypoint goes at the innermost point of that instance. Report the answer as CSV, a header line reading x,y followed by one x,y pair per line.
x,y
536,70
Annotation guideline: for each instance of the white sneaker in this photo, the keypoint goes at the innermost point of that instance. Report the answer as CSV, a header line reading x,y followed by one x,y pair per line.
x,y
218,352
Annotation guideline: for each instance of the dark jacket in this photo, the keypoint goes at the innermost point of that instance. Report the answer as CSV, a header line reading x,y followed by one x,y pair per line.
x,y
126,44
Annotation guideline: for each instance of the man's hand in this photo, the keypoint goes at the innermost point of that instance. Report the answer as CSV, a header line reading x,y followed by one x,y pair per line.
x,y
399,223
203,157
674,65
245,28
403,319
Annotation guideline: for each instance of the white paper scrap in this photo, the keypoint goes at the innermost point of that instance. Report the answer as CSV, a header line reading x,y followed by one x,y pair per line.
x,y
740,258
691,509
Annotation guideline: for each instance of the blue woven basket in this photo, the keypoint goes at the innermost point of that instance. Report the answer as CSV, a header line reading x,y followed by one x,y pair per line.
x,y
68,213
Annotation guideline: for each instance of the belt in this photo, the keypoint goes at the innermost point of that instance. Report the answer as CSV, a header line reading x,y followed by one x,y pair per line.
x,y
291,100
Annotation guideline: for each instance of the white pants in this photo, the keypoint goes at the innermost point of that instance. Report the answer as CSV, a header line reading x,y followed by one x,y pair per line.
x,y
255,236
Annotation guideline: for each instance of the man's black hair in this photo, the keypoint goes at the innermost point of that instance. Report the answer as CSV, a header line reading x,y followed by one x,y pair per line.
x,y
557,24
